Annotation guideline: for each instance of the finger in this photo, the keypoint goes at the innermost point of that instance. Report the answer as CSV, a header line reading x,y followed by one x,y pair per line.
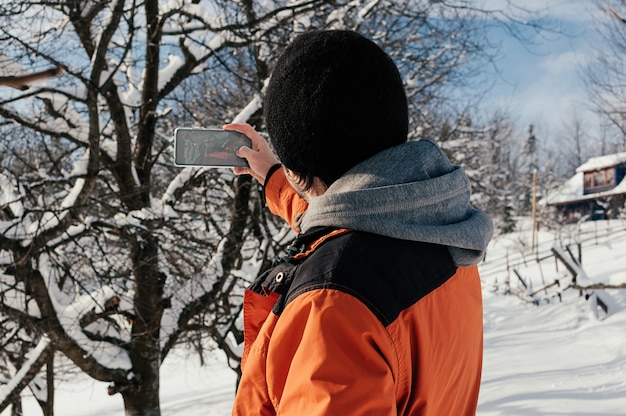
x,y
249,131
244,152
247,171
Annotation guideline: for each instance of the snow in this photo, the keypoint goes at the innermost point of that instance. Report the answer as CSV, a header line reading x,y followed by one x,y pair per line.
x,y
8,195
572,191
185,175
192,289
106,354
253,106
558,357
174,63
365,10
32,357
552,359
186,389
547,359
602,162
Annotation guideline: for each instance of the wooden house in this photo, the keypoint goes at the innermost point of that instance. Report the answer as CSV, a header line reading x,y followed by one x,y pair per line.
x,y
596,191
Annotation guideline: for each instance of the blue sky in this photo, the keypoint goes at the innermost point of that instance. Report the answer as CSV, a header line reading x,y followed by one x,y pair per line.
x,y
541,83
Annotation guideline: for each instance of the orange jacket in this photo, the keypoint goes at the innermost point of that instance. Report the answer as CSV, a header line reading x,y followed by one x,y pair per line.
x,y
370,337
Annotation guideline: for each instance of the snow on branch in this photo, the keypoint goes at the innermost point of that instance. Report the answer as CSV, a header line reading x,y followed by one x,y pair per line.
x,y
79,317
253,106
63,118
11,194
179,182
174,63
25,225
186,296
36,359
362,14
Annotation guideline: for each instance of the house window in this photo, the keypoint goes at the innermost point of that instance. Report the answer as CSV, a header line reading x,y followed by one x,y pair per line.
x,y
610,177
600,179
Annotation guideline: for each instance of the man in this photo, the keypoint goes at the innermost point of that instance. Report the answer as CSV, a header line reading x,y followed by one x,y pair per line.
x,y
378,309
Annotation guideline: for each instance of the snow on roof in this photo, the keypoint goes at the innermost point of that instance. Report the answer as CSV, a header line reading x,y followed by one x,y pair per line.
x,y
601,162
572,191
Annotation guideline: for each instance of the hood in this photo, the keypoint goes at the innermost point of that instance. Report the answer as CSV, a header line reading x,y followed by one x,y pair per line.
x,y
410,192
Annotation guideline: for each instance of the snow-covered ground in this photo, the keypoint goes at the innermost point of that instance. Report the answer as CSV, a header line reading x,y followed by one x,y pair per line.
x,y
549,359
556,358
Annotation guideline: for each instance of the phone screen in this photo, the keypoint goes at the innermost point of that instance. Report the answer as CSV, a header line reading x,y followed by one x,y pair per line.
x,y
208,147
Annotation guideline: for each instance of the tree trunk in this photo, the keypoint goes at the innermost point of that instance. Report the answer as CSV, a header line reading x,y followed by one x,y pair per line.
x,y
48,409
16,408
143,398
141,394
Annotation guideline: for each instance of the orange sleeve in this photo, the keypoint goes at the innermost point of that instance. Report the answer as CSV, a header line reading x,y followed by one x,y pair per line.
x,y
329,355
282,200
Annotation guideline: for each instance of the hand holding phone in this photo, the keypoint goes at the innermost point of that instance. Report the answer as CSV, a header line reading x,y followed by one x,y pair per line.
x,y
259,156
209,147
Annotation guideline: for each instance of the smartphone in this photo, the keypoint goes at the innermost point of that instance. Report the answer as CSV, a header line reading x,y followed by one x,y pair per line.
x,y
209,147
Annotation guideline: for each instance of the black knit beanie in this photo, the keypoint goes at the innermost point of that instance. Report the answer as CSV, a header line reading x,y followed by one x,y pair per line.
x,y
334,99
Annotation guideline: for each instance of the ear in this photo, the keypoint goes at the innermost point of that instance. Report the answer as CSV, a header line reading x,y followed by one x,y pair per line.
x,y
292,176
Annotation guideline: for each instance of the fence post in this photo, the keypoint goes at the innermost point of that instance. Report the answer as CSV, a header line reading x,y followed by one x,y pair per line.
x,y
507,283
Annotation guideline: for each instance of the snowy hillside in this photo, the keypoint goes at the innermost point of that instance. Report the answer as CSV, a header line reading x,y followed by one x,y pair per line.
x,y
554,358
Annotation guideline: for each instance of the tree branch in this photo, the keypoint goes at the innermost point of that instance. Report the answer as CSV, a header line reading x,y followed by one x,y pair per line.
x,y
27,373
616,15
22,82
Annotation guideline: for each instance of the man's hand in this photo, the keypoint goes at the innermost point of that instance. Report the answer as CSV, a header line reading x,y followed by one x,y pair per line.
x,y
260,157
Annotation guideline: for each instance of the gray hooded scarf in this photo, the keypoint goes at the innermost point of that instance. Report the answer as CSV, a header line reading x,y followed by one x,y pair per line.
x,y
410,192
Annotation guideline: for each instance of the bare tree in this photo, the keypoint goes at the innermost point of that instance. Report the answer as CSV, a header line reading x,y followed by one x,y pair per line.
x,y
109,253
573,148
605,75
100,257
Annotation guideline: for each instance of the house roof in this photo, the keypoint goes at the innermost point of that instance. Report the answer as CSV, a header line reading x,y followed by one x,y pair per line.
x,y
602,162
572,191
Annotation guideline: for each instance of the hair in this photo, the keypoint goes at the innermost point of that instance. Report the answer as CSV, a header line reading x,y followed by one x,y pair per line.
x,y
335,99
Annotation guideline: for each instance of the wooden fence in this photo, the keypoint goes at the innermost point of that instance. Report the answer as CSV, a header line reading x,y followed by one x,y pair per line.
x,y
556,267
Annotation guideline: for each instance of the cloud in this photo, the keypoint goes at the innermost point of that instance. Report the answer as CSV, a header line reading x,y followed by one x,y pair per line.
x,y
542,83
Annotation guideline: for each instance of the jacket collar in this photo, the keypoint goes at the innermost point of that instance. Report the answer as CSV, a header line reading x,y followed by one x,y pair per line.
x,y
278,278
